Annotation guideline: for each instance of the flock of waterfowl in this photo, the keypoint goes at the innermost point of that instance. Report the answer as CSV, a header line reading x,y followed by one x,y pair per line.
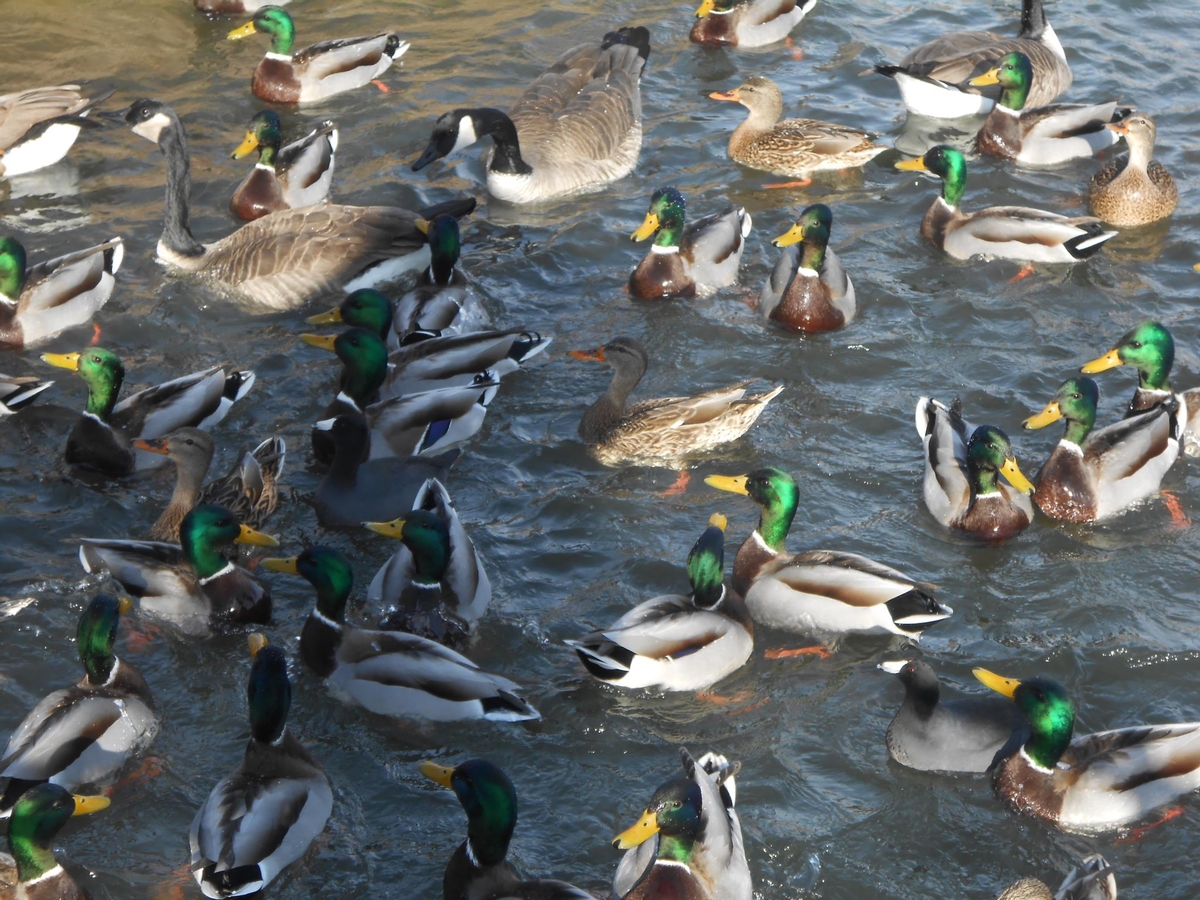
x,y
418,374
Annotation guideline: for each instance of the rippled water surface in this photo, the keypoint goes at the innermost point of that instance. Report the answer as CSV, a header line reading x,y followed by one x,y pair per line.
x,y
1110,611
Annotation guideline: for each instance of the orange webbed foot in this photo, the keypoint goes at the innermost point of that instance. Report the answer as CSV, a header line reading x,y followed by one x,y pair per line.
x,y
788,653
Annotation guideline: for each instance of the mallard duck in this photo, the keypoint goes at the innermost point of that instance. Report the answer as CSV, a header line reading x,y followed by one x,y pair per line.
x,y
963,466
700,853
935,735
287,258
795,147
747,23
39,815
234,6
40,301
435,583
1040,135
479,868
357,489
1092,879
808,289
317,72
434,303
389,672
577,126
1133,189
934,79
1150,348
289,177
1096,475
18,391
190,584
1094,782
250,491
664,429
38,126
692,259
676,642
264,816
84,735
820,592
102,438
1000,232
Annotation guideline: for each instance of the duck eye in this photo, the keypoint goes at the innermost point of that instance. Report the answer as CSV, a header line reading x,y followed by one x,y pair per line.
x,y
189,442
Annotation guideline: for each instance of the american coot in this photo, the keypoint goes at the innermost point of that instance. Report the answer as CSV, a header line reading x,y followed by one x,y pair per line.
x,y
937,735
355,491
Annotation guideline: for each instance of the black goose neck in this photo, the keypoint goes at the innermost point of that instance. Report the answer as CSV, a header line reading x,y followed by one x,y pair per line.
x,y
176,233
506,158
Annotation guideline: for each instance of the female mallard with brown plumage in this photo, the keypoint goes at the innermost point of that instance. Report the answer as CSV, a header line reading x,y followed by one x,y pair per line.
x,y
747,23
692,258
1092,879
824,593
794,147
1133,189
317,72
1095,475
1006,232
39,301
963,466
808,289
250,491
1093,782
660,431
288,177
288,257
84,735
1041,135
934,79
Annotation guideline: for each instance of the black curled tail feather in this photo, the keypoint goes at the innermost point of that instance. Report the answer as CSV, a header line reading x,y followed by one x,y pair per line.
x,y
635,36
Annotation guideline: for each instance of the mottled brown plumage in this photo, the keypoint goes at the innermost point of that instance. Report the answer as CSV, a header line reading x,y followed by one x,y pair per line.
x,y
1133,189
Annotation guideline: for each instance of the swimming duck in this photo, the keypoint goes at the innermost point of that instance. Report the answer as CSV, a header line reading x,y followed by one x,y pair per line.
x,y
38,302
190,584
718,853
676,642
38,126
935,735
795,147
289,177
317,72
1096,475
84,735
747,23
479,868
700,853
18,391
821,592
250,491
357,489
289,257
808,289
692,259
1133,189
264,816
1003,232
1092,879
38,817
434,303
663,429
435,583
934,79
1040,135
1094,782
963,465
389,672
577,126
102,437
1150,348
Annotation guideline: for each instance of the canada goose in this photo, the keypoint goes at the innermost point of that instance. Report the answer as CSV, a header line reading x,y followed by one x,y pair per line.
x,y
287,258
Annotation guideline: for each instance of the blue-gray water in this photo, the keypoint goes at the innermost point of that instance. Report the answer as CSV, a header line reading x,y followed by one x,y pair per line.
x,y
1110,611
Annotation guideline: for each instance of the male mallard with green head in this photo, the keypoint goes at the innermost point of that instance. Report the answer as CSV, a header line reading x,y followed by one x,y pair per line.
x,y
287,176
808,289
38,816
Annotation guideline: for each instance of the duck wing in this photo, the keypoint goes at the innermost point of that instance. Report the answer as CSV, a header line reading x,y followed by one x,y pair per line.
x,y
23,110
944,433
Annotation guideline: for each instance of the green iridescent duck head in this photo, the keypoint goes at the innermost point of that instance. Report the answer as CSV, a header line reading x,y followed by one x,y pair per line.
x,y
445,244
947,164
327,570
364,308
664,218
273,21
1050,712
37,817
265,134
207,530
489,800
990,455
1075,400
97,635
12,268
101,370
776,494
674,815
427,539
1015,77
812,227
1149,348
268,691
364,359
706,564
